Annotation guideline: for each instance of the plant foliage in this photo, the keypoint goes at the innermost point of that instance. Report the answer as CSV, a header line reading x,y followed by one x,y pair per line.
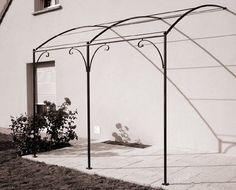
x,y
51,129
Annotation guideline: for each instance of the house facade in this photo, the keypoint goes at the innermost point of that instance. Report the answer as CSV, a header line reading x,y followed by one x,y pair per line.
x,y
127,81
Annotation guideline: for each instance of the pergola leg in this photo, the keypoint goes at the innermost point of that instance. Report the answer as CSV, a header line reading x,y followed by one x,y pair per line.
x,y
34,100
165,110
88,107
34,84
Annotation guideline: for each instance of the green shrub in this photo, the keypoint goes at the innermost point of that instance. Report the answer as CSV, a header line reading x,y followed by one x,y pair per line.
x,y
57,124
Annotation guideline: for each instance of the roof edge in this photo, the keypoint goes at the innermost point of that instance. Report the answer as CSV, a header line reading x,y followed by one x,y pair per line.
x,y
5,9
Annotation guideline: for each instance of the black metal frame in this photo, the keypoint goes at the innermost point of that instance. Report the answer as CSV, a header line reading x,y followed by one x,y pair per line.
x,y
88,60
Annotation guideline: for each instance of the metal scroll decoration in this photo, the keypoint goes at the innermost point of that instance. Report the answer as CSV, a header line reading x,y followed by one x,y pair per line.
x,y
44,52
76,49
88,64
141,45
106,48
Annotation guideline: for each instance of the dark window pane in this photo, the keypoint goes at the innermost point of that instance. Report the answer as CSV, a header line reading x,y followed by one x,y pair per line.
x,y
41,109
47,3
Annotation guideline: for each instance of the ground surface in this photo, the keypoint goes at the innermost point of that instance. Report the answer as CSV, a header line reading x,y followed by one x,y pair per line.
x,y
18,173
186,170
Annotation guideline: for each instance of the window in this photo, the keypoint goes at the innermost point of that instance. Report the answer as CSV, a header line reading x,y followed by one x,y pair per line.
x,y
49,3
46,85
43,6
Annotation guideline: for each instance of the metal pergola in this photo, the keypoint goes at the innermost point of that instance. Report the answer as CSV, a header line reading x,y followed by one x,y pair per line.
x,y
141,39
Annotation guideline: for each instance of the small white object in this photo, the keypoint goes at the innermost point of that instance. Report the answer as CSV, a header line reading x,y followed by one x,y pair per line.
x,y
97,130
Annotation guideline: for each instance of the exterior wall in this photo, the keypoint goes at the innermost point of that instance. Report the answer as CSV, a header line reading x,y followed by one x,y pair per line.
x,y
126,86
2,3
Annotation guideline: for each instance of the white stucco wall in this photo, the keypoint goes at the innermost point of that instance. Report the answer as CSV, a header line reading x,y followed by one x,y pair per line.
x,y
126,87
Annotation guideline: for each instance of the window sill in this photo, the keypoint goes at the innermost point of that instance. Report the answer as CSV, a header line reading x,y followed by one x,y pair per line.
x,y
48,9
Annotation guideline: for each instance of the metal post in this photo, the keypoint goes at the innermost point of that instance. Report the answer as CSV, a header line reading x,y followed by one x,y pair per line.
x,y
165,110
34,99
88,105
34,84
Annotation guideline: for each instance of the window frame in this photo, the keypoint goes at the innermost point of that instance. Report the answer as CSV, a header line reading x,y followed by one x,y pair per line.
x,y
39,7
30,85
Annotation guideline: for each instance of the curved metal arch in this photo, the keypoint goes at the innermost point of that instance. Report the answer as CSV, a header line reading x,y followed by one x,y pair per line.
x,y
44,52
71,53
122,21
140,45
191,10
107,48
69,30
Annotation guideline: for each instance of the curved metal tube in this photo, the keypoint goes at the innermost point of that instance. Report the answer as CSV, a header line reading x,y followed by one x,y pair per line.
x,y
140,45
107,48
191,10
66,31
233,13
124,20
45,52
121,21
154,17
71,53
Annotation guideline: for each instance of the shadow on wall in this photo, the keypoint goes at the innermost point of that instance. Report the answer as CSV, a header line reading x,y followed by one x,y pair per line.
x,y
122,134
188,100
226,145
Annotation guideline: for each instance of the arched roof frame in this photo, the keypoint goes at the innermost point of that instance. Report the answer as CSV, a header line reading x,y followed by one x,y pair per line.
x,y
106,27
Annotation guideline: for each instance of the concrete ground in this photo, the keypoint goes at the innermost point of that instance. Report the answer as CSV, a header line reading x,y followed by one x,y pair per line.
x,y
145,166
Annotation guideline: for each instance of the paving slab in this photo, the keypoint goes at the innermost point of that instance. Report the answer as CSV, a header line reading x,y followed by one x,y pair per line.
x,y
145,166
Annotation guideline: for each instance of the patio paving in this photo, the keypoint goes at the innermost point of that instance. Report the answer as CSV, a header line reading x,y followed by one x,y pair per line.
x,y
145,166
